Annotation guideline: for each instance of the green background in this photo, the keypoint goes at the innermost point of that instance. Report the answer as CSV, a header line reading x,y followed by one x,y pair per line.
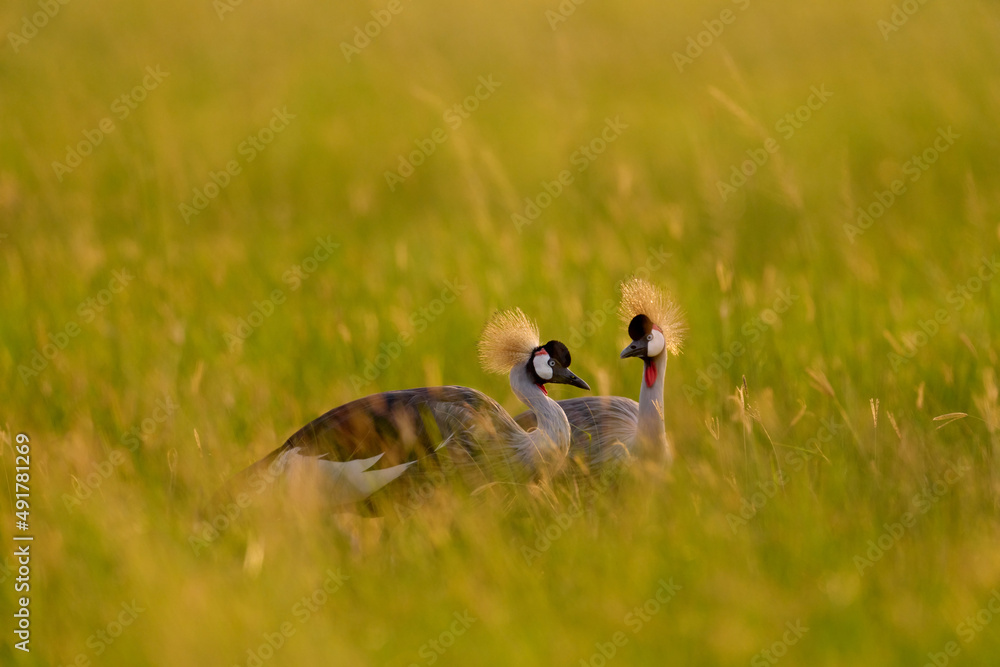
x,y
650,200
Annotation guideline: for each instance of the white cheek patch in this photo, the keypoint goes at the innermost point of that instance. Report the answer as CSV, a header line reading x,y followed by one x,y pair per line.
x,y
656,344
542,368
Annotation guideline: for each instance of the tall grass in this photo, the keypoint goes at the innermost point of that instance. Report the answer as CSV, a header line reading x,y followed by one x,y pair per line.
x,y
782,431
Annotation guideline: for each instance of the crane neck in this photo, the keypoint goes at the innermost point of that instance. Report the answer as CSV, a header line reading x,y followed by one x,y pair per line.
x,y
651,437
548,445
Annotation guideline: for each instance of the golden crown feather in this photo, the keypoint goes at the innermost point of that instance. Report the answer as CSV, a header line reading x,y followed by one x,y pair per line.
x,y
640,297
508,340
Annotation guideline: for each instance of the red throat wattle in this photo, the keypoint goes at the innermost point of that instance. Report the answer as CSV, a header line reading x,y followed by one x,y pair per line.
x,y
544,390
650,375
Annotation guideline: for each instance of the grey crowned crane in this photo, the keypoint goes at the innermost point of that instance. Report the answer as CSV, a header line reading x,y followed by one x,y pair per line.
x,y
395,439
608,429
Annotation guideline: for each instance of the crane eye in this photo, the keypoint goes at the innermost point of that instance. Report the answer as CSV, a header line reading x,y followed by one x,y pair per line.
x,y
552,362
656,343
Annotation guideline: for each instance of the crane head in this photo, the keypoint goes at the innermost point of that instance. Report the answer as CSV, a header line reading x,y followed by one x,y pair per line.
x,y
655,323
550,363
647,339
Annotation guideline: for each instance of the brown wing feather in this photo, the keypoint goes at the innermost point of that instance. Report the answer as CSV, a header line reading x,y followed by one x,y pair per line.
x,y
449,429
404,425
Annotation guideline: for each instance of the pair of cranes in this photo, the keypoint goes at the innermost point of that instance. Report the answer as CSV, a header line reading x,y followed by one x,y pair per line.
x,y
388,441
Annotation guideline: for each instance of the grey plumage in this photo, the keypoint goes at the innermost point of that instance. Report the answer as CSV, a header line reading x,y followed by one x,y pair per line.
x,y
611,429
397,438
600,427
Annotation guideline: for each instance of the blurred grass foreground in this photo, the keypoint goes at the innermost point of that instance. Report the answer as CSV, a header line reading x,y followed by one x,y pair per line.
x,y
221,219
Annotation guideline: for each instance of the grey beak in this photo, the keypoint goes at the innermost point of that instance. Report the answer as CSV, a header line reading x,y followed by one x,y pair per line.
x,y
566,376
636,348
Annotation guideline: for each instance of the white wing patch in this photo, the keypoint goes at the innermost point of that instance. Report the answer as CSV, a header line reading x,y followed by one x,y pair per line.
x,y
346,482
